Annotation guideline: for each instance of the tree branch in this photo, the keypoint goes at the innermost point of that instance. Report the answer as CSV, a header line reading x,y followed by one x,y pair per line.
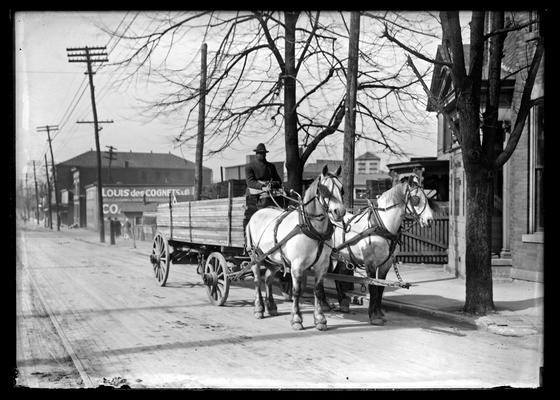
x,y
336,119
271,43
308,42
524,107
412,51
436,102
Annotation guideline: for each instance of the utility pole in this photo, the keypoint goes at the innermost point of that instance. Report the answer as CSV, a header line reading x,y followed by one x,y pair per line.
x,y
90,55
350,114
48,192
36,194
201,117
48,129
110,158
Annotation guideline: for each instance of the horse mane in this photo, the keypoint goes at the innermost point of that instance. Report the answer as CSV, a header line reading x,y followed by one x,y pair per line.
x,y
311,190
393,195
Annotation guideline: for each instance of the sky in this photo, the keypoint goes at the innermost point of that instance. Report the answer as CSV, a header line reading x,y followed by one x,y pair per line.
x,y
52,91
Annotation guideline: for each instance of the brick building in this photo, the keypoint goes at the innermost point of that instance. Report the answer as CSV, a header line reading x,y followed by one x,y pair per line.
x,y
518,213
127,170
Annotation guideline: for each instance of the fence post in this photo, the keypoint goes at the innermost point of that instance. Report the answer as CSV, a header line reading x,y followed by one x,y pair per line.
x,y
112,230
134,232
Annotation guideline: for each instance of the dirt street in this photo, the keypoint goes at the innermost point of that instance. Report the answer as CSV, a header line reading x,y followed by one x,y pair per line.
x,y
91,314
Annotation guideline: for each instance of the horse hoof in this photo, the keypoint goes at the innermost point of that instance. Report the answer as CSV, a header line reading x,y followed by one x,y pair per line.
x,y
321,327
326,307
272,313
259,315
297,326
377,321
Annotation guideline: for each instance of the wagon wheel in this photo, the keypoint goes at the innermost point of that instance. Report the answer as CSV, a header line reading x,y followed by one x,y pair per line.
x,y
215,278
160,258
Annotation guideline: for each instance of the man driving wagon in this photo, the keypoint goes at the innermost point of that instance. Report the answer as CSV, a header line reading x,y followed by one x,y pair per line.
x,y
263,182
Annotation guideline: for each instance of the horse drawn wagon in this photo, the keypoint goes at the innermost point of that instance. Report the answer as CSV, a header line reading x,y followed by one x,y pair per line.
x,y
213,232
210,230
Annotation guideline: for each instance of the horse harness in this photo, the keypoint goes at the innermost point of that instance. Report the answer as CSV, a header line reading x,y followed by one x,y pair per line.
x,y
376,228
304,226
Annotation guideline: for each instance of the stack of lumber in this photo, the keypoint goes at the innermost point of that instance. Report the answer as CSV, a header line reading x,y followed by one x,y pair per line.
x,y
212,222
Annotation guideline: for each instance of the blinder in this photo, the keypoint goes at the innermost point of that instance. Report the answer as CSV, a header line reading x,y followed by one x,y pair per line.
x,y
414,200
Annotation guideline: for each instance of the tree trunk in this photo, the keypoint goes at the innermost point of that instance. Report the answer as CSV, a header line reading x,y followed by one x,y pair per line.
x,y
350,114
293,159
480,195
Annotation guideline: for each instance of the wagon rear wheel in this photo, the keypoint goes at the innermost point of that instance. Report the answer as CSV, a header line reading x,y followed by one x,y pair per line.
x,y
160,258
215,277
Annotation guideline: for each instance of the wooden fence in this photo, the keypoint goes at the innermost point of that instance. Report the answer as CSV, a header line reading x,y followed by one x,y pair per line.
x,y
425,245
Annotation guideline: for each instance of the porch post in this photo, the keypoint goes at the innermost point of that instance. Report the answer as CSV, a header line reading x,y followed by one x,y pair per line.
x,y
506,251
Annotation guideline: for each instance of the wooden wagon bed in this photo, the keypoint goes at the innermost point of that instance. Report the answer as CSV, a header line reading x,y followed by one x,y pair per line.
x,y
217,222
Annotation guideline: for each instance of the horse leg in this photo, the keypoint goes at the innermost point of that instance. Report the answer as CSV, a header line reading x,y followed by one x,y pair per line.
x,y
374,309
343,300
319,292
269,304
376,315
259,307
297,319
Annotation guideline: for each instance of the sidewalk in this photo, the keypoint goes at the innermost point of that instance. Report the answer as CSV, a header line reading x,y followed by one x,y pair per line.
x,y
434,292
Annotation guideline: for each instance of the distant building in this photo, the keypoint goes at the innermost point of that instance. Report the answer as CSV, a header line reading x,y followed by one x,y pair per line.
x,y
367,175
238,171
435,175
367,163
147,171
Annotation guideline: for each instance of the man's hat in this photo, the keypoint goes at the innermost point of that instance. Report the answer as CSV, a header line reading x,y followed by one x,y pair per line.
x,y
261,148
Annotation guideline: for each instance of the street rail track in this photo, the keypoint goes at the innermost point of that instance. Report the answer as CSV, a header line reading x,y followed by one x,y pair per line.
x,y
86,380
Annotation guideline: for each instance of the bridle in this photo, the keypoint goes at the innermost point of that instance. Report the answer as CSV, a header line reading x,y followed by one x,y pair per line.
x,y
323,195
378,228
304,226
410,202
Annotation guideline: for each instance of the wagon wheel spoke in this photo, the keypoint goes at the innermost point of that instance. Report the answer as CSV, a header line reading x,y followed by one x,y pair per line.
x,y
160,258
215,275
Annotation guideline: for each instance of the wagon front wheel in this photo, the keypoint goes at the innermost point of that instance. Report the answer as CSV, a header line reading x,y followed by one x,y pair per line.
x,y
160,258
215,278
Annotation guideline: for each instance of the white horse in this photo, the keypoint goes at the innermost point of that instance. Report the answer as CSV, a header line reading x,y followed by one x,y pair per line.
x,y
297,238
369,238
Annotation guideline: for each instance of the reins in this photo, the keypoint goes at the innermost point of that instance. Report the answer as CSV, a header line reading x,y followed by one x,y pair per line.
x,y
377,229
304,226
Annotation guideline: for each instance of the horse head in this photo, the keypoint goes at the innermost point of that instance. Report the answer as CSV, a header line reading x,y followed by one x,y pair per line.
x,y
416,202
327,190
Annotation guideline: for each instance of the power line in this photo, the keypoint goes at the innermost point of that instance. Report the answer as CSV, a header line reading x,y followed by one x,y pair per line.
x,y
89,55
48,129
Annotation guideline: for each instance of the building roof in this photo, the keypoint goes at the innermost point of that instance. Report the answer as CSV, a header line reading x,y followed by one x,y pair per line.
x,y
368,156
441,84
135,160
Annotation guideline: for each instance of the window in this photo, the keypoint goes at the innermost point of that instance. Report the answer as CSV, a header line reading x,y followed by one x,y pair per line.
x,y
536,168
449,139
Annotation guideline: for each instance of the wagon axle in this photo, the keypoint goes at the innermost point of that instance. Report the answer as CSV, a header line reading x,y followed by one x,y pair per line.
x,y
155,259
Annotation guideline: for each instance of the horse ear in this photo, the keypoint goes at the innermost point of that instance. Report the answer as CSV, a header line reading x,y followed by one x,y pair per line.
x,y
412,181
338,170
325,170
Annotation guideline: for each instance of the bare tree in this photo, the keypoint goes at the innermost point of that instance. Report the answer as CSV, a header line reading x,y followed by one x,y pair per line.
x,y
271,72
476,132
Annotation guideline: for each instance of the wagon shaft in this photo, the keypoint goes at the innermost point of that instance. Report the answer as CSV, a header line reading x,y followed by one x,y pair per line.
x,y
366,280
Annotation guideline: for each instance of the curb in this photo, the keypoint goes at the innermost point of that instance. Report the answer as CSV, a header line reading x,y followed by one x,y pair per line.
x,y
431,312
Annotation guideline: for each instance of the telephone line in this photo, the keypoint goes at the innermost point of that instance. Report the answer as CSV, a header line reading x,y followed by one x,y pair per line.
x,y
84,56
